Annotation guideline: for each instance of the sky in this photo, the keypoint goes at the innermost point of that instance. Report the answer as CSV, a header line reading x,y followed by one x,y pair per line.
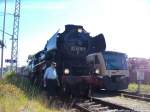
x,y
124,23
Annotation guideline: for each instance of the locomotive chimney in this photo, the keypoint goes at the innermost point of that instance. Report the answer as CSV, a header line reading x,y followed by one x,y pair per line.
x,y
70,27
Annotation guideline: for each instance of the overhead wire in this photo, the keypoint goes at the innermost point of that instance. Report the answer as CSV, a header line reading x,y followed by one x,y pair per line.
x,y
2,14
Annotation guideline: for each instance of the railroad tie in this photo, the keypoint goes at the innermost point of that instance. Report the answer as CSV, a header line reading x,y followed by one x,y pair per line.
x,y
103,108
87,104
95,106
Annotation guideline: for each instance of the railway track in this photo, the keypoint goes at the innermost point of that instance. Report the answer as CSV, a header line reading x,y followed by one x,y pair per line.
x,y
96,105
127,94
113,102
143,97
131,101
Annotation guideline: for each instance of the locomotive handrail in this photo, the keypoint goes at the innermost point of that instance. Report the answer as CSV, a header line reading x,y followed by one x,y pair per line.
x,y
40,63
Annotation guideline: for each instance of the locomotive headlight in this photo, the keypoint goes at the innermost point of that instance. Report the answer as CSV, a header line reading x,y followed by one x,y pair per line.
x,y
79,30
97,71
66,71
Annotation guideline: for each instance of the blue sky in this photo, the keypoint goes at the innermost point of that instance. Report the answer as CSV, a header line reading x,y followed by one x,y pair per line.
x,y
124,23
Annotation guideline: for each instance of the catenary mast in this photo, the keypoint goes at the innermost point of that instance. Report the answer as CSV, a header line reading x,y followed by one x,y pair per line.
x,y
14,49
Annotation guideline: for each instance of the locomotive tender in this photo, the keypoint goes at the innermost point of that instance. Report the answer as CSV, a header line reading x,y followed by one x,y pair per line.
x,y
82,62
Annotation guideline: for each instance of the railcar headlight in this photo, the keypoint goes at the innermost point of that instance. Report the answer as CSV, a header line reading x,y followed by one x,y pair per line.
x,y
66,71
97,71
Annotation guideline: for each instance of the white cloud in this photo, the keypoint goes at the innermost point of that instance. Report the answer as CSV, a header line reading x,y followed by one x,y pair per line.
x,y
125,24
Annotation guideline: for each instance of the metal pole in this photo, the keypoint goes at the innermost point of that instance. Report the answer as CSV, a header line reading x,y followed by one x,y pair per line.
x,y
14,50
139,83
2,52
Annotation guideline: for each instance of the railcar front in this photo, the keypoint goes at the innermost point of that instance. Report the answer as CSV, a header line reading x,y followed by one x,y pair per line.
x,y
111,70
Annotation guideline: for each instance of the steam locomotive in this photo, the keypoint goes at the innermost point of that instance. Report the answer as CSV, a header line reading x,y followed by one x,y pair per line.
x,y
82,62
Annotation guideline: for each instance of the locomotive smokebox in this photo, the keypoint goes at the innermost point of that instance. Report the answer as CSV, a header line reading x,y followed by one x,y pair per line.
x,y
75,42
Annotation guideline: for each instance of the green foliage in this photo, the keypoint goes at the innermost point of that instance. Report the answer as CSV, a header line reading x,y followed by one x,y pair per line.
x,y
11,97
145,88
24,84
132,87
17,94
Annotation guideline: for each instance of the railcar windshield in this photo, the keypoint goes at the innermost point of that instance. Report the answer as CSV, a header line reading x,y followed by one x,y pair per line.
x,y
115,61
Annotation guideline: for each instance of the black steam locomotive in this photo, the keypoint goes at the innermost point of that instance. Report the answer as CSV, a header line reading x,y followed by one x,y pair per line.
x,y
81,62
70,51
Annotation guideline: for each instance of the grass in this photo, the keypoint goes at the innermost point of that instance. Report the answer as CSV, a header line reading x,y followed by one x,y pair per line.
x,y
18,95
144,88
